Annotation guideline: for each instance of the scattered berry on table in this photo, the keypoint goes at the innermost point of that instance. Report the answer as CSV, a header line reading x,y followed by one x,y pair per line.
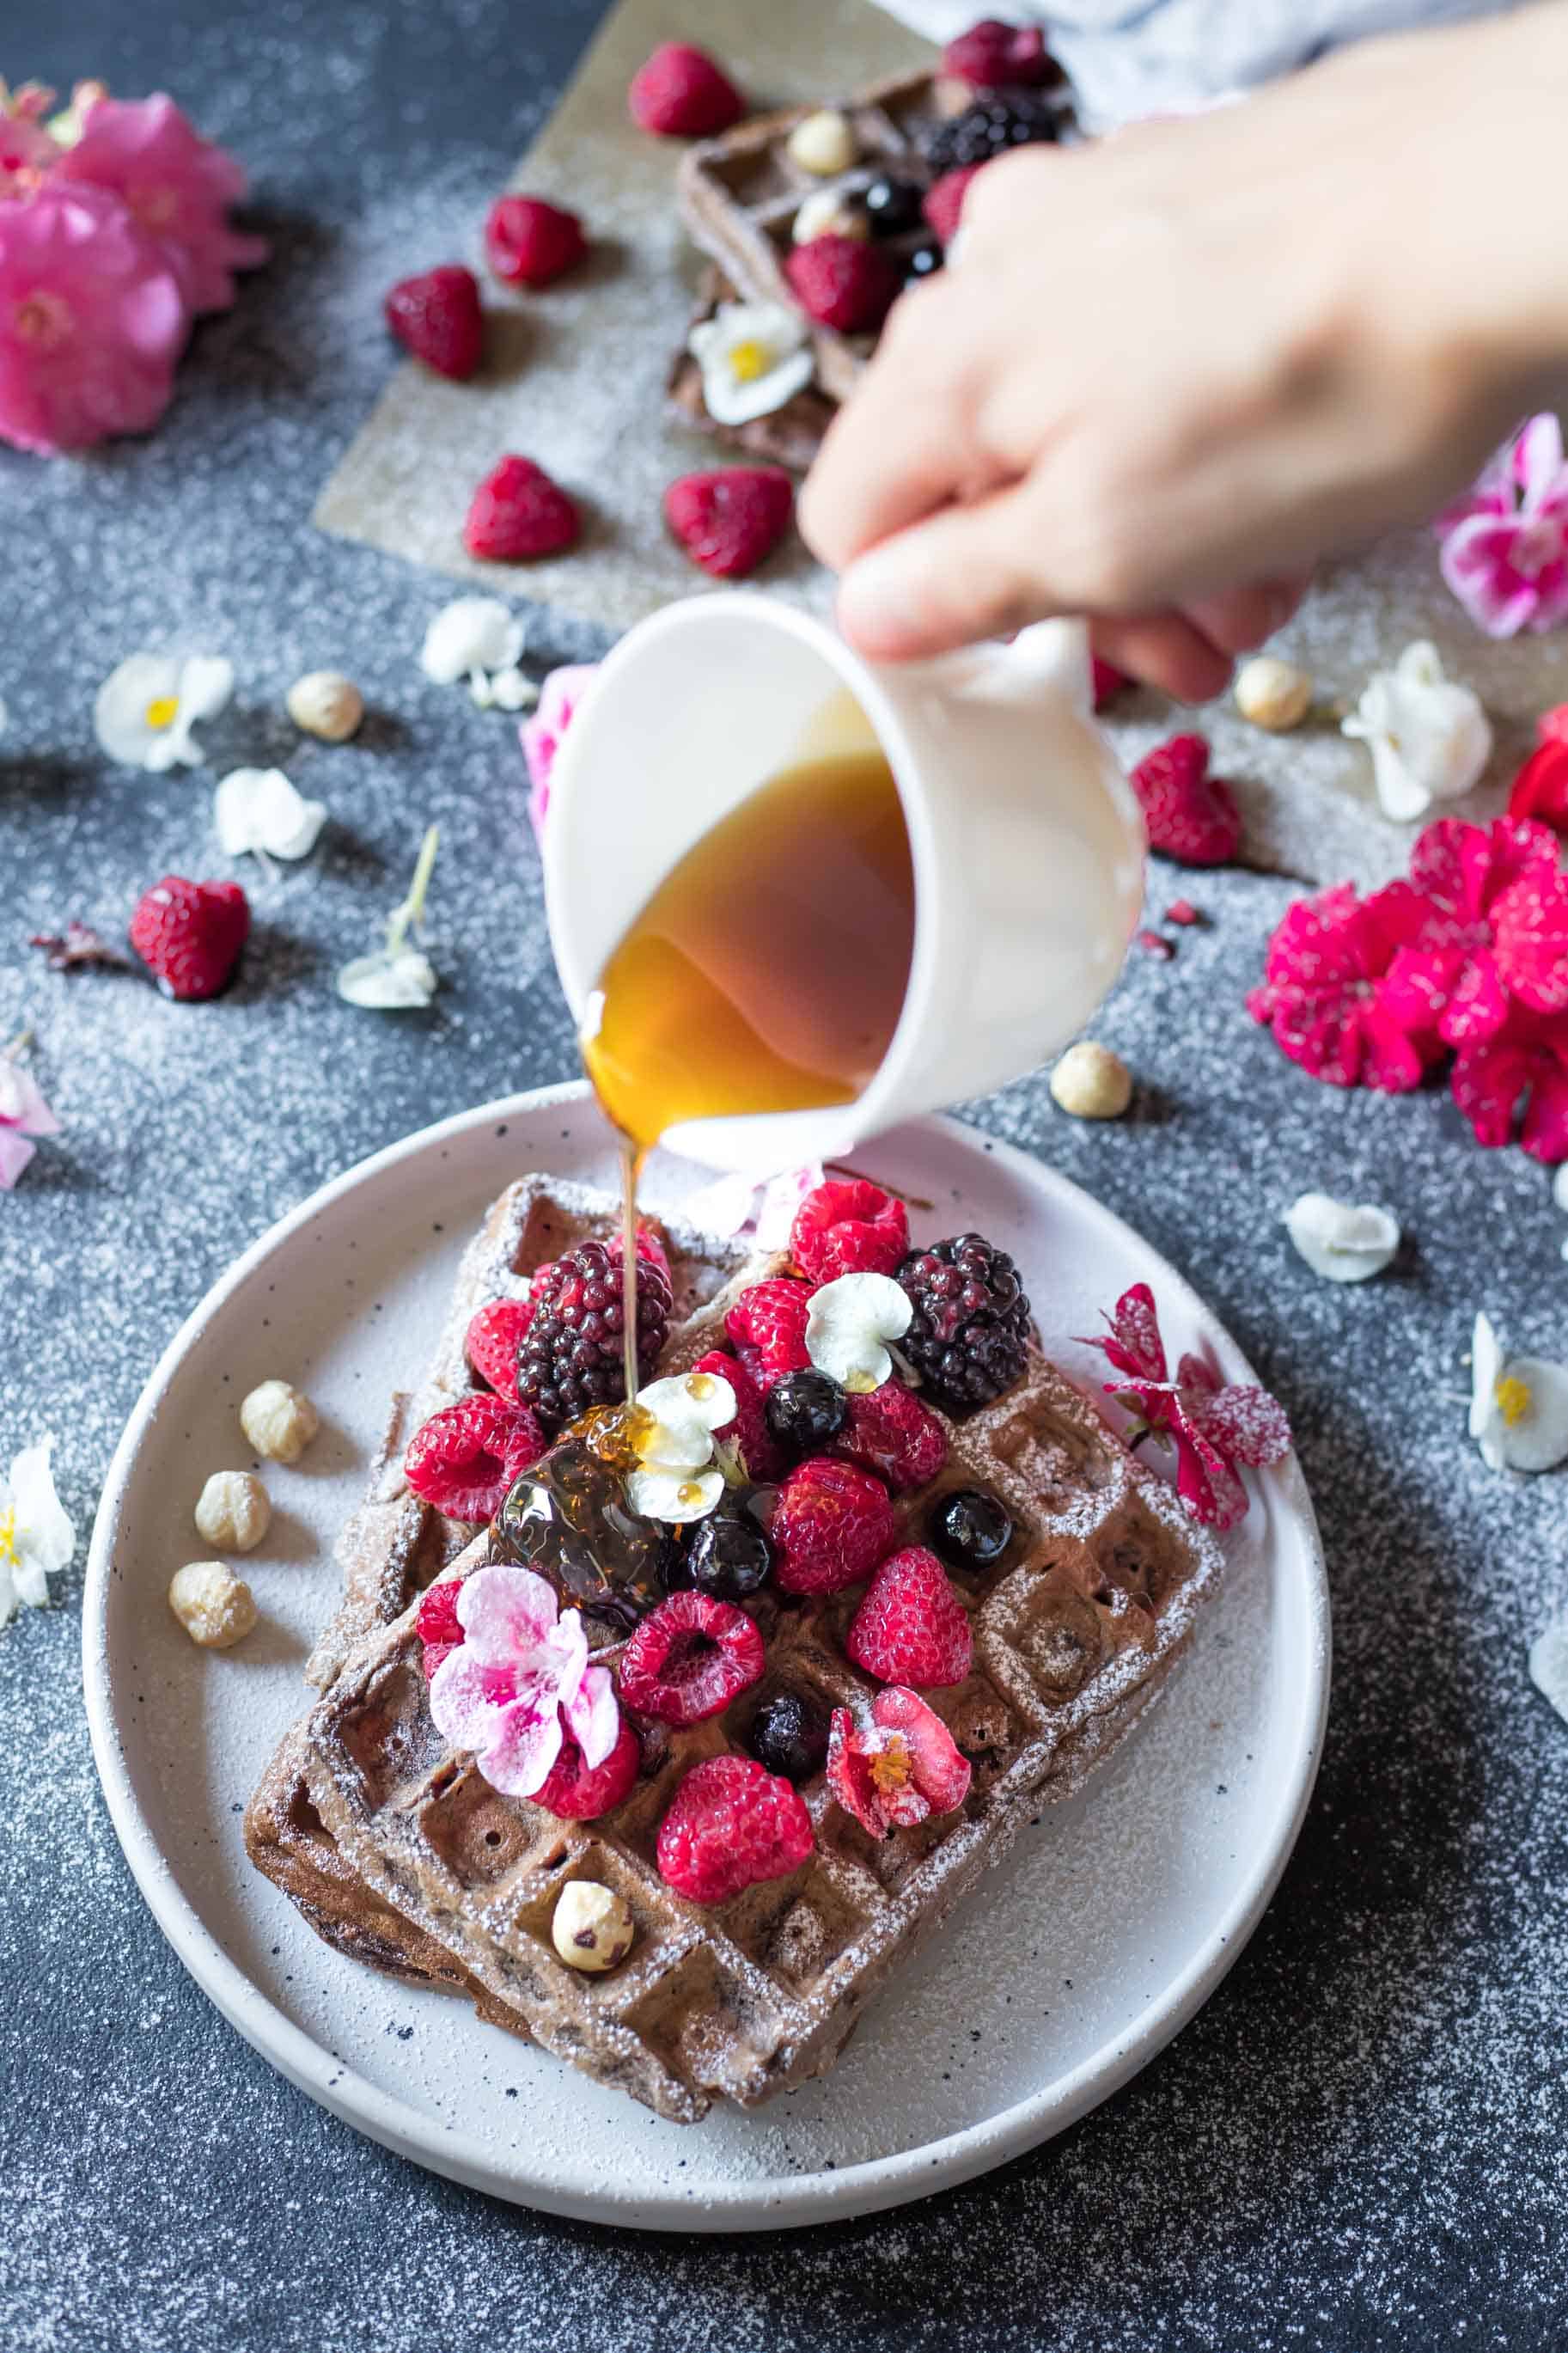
x,y
189,934
749,1433
990,128
970,1331
1187,814
571,1356
577,1791
682,93
903,1766
437,316
970,1528
1182,911
730,1824
732,518
689,1657
912,1628
727,1557
789,1736
848,1227
1156,945
943,204
892,206
890,1432
494,1337
518,513
831,1523
805,1411
529,242
767,1328
994,56
438,1624
841,282
464,1459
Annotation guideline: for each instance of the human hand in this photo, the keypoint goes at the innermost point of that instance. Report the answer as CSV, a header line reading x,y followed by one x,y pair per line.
x,y
1172,369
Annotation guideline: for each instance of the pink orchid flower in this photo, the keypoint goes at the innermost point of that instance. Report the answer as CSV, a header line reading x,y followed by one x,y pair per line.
x,y
1213,1425
1505,543
520,1679
23,1113
560,697
176,184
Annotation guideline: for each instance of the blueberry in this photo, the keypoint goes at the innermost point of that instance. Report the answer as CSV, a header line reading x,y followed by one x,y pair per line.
x,y
892,206
728,1558
789,1736
923,262
805,1411
970,1528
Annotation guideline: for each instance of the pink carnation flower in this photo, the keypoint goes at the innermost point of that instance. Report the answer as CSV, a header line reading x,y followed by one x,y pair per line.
x,y
1455,980
518,1680
177,184
1517,1082
1326,993
23,1114
1505,543
559,697
92,321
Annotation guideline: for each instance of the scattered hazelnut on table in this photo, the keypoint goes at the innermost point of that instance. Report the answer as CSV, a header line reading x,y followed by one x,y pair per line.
x,y
826,212
1273,693
215,1608
1091,1083
824,143
326,704
233,1511
592,1928
278,1421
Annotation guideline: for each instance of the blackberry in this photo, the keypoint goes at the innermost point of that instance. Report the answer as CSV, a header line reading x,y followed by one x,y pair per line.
x,y
970,1528
789,1736
926,258
571,1356
805,1411
892,206
728,1558
971,1325
989,128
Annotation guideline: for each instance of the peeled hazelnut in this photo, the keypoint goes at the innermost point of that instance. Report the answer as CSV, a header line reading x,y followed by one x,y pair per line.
x,y
825,213
592,1928
233,1511
1273,693
278,1421
1091,1081
215,1608
824,144
326,704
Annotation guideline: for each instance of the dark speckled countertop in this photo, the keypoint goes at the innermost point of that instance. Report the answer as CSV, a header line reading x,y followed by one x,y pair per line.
x,y
1362,2141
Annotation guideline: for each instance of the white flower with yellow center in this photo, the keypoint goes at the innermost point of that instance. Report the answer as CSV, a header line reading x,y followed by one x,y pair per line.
x,y
677,1478
754,357
147,707
1519,1406
37,1534
848,1325
257,809
1430,738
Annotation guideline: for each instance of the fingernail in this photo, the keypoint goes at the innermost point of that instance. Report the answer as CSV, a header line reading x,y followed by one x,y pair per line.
x,y
875,609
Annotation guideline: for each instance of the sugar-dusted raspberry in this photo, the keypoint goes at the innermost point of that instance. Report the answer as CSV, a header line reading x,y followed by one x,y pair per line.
x,y
732,1823
518,514
730,519
437,1624
896,1770
911,1627
996,56
493,1337
437,317
681,93
189,934
831,1523
890,1432
464,1459
759,1451
767,1328
843,283
529,242
1188,814
578,1791
944,202
689,1657
849,1227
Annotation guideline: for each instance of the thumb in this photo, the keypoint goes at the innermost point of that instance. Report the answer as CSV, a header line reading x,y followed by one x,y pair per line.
x,y
960,575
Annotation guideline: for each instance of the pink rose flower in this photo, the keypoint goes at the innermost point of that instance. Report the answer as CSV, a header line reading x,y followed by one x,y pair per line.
x,y
1505,543
177,184
560,697
23,1113
91,320
520,1676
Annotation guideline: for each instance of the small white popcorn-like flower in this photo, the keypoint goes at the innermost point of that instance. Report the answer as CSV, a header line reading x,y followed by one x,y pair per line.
x,y
147,707
258,810
478,638
1548,1664
754,357
1343,1241
38,1535
675,1478
1519,1406
1430,738
848,1325
502,690
398,977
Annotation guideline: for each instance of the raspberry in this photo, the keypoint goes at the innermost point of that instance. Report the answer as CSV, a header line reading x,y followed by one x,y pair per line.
x,y
767,1327
572,1357
732,1823
971,1325
753,1440
729,519
437,316
942,202
1183,912
994,56
189,934
988,129
848,1229
577,1791
464,1459
518,513
902,1766
493,1342
681,93
1108,682
1188,814
890,1431
529,242
437,1624
911,1627
831,1523
689,1657
843,283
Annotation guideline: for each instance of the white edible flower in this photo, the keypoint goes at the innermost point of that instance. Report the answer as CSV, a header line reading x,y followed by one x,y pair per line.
x,y
503,690
1344,1241
37,1534
478,638
398,977
147,707
848,1325
763,1214
1548,1664
1519,1406
1430,738
754,357
258,810
676,1480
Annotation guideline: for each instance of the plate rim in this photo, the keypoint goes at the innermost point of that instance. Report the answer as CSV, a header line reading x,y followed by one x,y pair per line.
x,y
827,2194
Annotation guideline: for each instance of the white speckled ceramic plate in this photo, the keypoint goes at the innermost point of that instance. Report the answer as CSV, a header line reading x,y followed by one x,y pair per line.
x,y
1096,1940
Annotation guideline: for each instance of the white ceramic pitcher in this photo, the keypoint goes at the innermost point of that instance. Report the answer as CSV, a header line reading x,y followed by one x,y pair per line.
x,y
1027,841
